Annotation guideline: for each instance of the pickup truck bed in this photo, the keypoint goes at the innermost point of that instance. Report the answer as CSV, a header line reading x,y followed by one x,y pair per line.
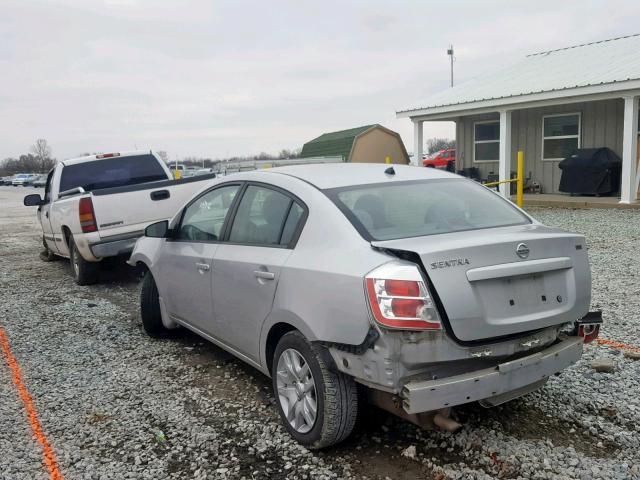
x,y
120,225
98,206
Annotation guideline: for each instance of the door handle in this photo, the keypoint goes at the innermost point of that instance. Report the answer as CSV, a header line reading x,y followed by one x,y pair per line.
x,y
203,267
160,195
46,214
264,275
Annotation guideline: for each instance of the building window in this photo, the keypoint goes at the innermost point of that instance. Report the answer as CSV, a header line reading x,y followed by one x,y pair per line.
x,y
560,135
486,141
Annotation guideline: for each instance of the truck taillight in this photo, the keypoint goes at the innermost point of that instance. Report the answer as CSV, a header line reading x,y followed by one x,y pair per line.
x,y
108,155
87,217
399,298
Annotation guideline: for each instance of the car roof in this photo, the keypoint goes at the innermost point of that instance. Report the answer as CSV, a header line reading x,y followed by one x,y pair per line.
x,y
337,175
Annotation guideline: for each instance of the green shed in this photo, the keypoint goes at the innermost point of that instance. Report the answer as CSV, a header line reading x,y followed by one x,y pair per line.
x,y
367,144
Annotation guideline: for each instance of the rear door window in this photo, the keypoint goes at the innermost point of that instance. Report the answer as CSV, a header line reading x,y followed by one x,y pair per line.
x,y
112,172
265,217
427,207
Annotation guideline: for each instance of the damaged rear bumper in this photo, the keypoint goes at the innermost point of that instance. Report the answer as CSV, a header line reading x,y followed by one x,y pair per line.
x,y
508,377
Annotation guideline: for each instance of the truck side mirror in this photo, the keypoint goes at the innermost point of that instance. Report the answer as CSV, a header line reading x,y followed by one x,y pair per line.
x,y
33,200
157,230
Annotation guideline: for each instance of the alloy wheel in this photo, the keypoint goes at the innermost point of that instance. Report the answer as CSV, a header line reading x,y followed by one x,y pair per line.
x,y
296,390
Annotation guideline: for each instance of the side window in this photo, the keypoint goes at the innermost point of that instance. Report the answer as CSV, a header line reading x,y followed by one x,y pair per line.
x,y
486,141
261,216
204,218
291,225
47,188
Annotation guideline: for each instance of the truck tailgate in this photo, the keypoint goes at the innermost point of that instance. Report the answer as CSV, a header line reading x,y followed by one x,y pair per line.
x,y
123,210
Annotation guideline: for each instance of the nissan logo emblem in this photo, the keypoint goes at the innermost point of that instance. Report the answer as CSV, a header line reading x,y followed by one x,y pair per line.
x,y
522,250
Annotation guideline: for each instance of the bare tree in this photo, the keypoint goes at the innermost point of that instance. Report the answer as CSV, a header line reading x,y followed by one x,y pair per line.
x,y
164,156
286,153
436,144
42,152
24,164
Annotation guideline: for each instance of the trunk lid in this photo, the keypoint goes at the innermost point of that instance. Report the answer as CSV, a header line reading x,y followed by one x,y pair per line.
x,y
504,281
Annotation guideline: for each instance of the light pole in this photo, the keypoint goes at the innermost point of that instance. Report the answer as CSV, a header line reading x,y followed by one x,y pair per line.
x,y
450,53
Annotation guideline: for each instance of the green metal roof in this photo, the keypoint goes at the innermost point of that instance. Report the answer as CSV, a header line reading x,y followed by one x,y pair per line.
x,y
333,143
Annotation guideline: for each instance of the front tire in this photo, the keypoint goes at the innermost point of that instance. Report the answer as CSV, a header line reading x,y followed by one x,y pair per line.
x,y
150,308
84,273
318,405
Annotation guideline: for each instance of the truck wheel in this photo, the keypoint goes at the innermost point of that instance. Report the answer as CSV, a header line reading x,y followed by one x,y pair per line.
x,y
318,406
47,255
150,308
84,273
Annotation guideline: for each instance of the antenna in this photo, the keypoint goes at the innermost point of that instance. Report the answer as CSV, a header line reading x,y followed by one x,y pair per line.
x,y
450,53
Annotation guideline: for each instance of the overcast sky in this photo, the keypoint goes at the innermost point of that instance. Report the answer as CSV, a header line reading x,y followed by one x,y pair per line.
x,y
211,78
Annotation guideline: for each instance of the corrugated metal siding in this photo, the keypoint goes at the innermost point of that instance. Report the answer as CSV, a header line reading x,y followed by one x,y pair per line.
x,y
598,63
601,126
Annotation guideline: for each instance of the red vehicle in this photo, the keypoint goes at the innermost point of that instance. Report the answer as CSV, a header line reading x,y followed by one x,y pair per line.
x,y
440,159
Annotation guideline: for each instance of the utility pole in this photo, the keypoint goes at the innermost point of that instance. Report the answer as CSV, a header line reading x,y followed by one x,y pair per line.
x,y
450,53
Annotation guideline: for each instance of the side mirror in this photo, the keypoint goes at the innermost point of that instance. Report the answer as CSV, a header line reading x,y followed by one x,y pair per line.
x,y
157,230
33,200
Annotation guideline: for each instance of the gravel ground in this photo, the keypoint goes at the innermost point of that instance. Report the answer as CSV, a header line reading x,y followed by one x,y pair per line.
x,y
117,404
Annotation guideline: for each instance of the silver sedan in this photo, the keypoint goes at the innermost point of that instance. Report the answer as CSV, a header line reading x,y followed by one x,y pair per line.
x,y
427,289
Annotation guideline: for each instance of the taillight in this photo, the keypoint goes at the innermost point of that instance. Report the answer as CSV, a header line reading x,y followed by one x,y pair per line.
x,y
87,217
399,298
589,332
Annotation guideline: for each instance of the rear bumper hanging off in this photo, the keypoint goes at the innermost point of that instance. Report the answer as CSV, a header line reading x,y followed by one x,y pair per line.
x,y
513,376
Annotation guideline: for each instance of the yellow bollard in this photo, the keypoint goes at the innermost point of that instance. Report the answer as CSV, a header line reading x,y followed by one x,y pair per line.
x,y
387,159
520,182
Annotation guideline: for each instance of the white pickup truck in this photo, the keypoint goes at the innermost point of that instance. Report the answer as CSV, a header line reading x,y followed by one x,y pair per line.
x,y
99,205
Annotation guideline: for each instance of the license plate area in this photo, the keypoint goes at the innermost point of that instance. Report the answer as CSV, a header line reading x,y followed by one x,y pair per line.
x,y
523,296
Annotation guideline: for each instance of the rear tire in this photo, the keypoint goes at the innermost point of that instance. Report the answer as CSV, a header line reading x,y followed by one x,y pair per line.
x,y
84,273
335,395
150,308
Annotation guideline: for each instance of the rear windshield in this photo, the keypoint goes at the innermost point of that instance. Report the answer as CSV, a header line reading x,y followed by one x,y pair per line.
x,y
112,172
425,207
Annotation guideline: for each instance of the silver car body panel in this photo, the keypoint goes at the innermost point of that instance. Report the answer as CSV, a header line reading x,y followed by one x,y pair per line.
x,y
317,287
185,270
244,281
488,291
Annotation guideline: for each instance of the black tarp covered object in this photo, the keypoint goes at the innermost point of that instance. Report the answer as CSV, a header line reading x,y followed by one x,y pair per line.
x,y
591,171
